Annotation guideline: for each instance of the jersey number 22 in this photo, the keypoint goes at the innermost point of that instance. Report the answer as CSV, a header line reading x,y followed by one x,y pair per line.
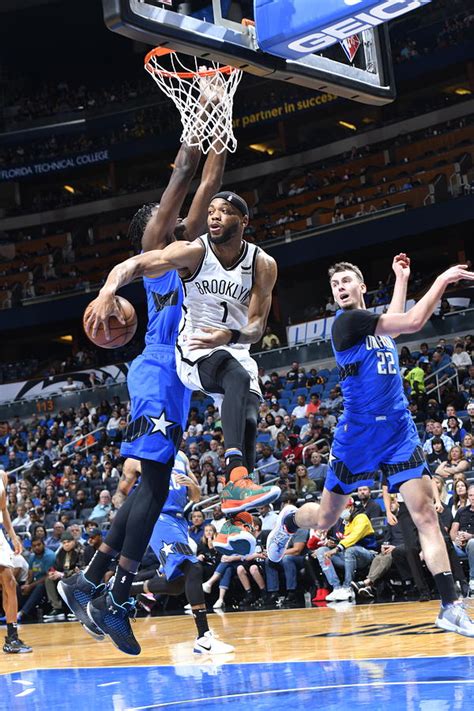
x,y
386,363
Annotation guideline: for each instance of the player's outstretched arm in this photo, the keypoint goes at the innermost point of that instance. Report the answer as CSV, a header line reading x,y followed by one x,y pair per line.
x,y
162,224
184,256
195,223
401,268
414,319
259,308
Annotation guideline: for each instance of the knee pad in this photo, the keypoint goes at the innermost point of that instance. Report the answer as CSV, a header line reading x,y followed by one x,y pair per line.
x,y
193,571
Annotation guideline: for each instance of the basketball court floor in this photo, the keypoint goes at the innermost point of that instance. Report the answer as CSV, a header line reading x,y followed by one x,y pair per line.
x,y
359,657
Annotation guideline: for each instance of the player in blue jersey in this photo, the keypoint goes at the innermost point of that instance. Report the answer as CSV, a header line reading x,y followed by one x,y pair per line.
x,y
376,431
159,404
182,571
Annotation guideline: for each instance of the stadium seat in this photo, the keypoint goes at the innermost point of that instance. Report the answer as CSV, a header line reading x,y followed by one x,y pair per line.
x,y
264,437
301,391
301,421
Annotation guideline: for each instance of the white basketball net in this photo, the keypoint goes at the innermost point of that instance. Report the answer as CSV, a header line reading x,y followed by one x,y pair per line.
x,y
203,95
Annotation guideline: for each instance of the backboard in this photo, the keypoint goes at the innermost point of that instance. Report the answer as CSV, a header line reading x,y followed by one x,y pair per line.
x,y
367,79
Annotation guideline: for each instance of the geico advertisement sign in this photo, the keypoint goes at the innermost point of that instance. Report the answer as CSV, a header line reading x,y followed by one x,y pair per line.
x,y
326,35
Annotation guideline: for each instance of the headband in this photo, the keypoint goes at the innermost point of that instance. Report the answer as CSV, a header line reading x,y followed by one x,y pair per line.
x,y
234,200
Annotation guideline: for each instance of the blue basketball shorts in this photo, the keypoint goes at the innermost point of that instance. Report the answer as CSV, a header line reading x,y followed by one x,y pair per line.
x,y
159,406
365,445
170,544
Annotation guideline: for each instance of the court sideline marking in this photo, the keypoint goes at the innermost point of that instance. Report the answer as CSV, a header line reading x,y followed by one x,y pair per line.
x,y
268,692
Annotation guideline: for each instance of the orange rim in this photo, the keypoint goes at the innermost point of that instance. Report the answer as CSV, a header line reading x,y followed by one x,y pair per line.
x,y
163,51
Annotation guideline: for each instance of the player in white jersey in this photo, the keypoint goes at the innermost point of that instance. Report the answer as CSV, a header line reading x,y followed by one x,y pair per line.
x,y
216,296
13,644
228,285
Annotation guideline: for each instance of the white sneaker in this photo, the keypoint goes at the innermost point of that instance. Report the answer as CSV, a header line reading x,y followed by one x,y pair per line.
x,y
333,596
340,594
471,588
218,605
345,594
188,606
278,538
206,587
454,618
209,644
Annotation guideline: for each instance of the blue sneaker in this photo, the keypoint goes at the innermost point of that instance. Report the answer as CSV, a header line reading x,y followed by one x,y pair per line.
x,y
77,592
278,538
114,621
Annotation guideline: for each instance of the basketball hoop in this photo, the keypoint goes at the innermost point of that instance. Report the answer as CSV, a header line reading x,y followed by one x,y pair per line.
x,y
203,95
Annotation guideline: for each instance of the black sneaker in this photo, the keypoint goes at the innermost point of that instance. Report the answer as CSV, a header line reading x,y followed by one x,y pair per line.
x,y
367,592
270,600
114,621
55,616
77,592
357,587
247,601
14,645
291,600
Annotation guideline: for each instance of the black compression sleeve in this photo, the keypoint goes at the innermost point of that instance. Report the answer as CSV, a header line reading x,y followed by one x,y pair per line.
x,y
353,326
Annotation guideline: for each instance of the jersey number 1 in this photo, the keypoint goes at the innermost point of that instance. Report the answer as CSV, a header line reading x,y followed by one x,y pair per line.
x,y
226,311
386,364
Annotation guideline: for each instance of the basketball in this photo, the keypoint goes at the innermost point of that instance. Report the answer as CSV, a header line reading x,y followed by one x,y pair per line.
x,y
120,333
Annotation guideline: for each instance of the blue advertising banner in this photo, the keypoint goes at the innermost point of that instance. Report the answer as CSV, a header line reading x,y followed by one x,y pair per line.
x,y
293,29
54,165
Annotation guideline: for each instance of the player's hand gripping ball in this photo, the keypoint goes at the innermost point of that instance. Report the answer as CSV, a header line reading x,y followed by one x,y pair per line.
x,y
110,323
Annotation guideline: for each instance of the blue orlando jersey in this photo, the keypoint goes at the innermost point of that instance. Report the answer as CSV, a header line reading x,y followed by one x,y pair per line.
x,y
164,300
178,495
368,365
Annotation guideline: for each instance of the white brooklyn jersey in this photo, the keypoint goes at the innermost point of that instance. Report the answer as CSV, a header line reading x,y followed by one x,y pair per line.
x,y
217,297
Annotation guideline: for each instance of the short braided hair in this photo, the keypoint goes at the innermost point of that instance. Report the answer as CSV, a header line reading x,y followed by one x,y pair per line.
x,y
138,224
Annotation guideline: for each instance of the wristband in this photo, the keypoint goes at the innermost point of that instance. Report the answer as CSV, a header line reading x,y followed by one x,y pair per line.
x,y
234,336
340,548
